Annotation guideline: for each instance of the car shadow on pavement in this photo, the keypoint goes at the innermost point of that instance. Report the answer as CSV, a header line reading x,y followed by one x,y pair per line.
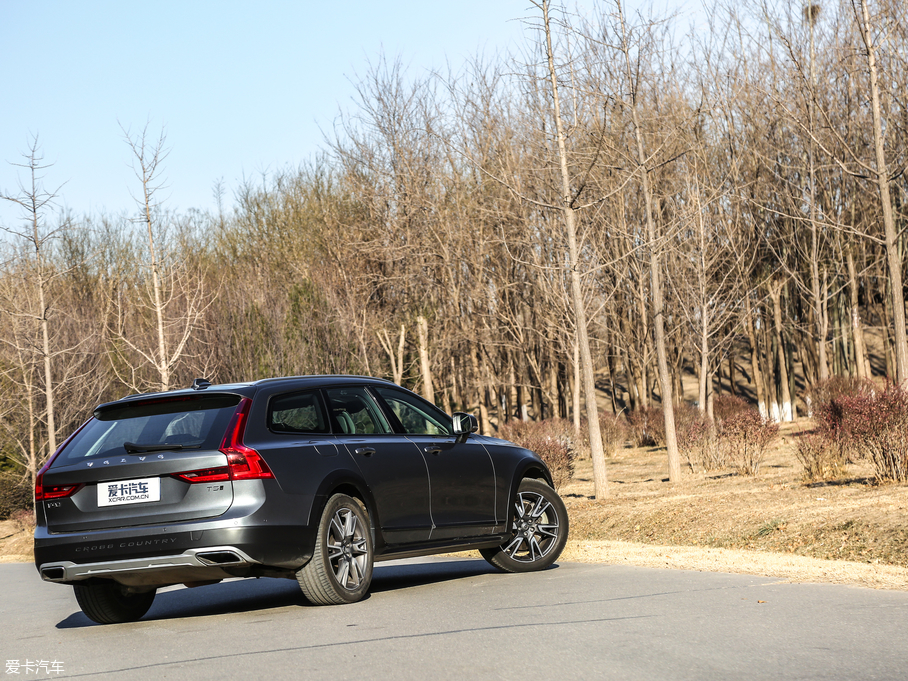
x,y
252,595
395,576
235,596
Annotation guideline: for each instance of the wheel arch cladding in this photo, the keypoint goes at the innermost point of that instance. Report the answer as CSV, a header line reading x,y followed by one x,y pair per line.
x,y
531,469
347,483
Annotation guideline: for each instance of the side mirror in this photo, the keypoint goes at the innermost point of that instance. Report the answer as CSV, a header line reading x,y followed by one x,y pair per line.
x,y
464,424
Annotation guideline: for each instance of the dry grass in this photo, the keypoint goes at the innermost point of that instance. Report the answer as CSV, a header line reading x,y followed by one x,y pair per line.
x,y
16,544
850,519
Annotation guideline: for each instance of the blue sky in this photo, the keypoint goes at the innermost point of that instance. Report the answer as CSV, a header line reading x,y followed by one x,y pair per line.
x,y
239,88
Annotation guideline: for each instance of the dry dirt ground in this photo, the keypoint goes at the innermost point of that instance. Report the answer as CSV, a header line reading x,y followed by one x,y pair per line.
x,y
851,531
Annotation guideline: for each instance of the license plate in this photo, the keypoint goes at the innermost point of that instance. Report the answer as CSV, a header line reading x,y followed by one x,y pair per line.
x,y
129,492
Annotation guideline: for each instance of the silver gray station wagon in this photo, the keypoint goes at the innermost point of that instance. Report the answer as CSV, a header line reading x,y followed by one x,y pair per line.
x,y
311,478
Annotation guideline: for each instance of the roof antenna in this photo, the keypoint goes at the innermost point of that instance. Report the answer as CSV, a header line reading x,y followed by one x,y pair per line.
x,y
200,384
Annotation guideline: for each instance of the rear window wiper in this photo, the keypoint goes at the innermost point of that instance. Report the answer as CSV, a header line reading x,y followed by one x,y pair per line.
x,y
133,448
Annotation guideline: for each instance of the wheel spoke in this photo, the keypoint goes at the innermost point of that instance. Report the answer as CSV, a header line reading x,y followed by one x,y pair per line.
x,y
350,525
548,530
356,571
511,549
359,547
343,570
336,528
539,510
535,549
334,551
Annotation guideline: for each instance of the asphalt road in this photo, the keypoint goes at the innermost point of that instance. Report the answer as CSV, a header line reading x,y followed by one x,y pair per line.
x,y
457,618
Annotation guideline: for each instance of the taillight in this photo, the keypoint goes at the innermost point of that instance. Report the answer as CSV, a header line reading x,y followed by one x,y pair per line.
x,y
56,491
220,474
43,492
244,463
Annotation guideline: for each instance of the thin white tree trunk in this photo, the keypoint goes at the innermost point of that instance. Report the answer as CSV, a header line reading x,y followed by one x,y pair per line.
x,y
820,320
755,360
45,337
422,331
576,388
893,258
860,349
785,409
48,377
665,382
163,364
600,480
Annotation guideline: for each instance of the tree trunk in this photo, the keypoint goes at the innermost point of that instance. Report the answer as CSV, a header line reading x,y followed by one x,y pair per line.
x,y
862,368
455,386
819,298
704,371
422,330
397,360
600,480
48,375
785,407
481,392
163,364
665,380
893,257
756,373
575,388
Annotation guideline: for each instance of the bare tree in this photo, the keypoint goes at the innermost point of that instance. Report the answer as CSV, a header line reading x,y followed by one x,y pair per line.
x,y
642,161
881,171
396,358
34,199
567,208
174,295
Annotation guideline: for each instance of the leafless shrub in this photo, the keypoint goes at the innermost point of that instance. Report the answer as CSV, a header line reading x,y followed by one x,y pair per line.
x,y
614,432
647,426
552,440
820,395
16,495
744,436
821,457
697,440
872,424
725,406
24,519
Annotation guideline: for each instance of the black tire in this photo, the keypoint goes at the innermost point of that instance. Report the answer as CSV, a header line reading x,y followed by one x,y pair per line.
x,y
341,567
111,603
540,530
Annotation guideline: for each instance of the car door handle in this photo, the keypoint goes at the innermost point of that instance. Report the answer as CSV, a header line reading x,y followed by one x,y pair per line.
x,y
365,451
432,450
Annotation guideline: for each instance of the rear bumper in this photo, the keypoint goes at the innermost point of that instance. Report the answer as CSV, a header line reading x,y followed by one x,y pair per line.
x,y
169,555
194,564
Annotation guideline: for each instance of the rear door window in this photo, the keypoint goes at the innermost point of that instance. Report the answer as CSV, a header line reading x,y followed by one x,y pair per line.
x,y
354,412
298,413
167,423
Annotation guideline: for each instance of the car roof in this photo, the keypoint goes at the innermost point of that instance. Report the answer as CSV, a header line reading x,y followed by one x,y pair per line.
x,y
247,389
319,379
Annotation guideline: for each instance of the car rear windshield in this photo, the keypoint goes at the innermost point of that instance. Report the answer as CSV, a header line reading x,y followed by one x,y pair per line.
x,y
154,425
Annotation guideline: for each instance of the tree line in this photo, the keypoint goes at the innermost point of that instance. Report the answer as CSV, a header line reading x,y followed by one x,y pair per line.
x,y
622,205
